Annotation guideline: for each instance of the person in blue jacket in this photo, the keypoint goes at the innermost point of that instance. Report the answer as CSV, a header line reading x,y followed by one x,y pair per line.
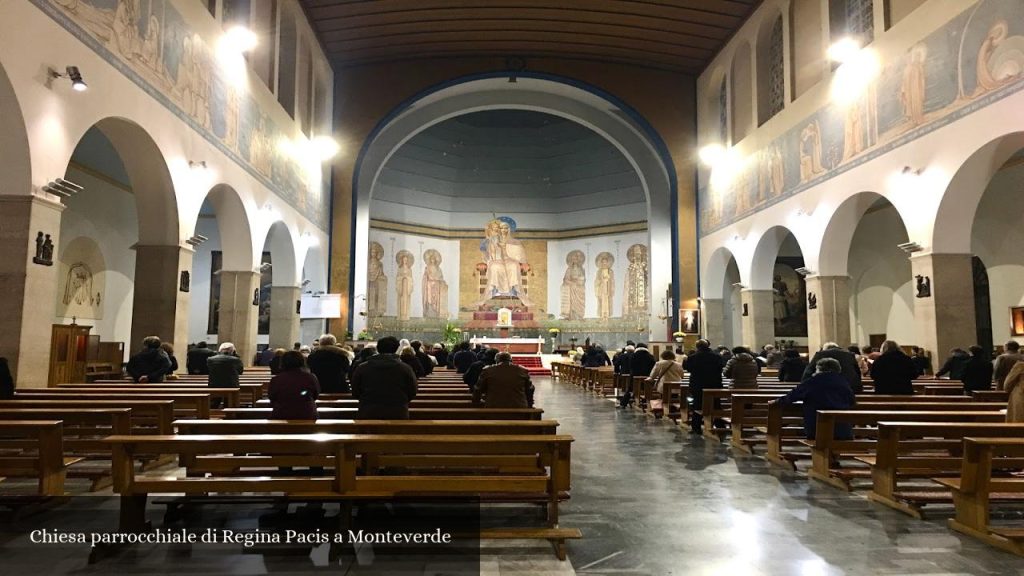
x,y
826,390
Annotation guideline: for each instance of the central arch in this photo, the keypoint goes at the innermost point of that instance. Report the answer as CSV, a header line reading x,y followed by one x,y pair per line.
x,y
589,106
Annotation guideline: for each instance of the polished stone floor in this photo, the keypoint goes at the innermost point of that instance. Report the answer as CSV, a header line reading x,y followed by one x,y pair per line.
x,y
653,500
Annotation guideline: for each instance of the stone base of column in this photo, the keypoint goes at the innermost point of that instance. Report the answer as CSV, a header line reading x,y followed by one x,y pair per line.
x,y
829,320
759,321
714,320
945,318
159,307
28,290
238,317
284,316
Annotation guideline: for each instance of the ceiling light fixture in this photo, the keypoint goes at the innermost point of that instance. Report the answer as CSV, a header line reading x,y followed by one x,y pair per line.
x,y
241,38
200,165
844,49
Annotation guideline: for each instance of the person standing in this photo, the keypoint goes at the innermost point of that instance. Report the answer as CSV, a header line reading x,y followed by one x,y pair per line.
x,y
294,390
383,384
792,367
329,364
742,368
893,371
705,368
1005,362
1014,385
640,365
224,367
826,390
977,373
851,370
504,385
473,374
463,358
666,370
195,359
151,364
921,361
954,365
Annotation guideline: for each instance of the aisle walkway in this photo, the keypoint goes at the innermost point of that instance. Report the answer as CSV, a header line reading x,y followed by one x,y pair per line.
x,y
651,499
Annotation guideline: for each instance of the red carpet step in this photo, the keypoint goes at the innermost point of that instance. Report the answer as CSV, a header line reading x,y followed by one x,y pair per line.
x,y
532,364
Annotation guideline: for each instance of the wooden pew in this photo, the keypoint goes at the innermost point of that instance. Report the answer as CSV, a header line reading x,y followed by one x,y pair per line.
x,y
230,396
346,483
185,405
414,403
42,455
826,449
916,450
248,393
147,416
83,431
414,413
976,487
420,395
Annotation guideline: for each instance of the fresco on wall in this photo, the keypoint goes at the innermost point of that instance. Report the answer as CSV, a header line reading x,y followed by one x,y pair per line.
x,y
81,276
150,43
788,297
972,61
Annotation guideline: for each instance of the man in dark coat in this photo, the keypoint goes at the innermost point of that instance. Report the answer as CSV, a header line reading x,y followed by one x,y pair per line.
x,y
425,360
954,365
978,371
504,385
893,371
224,367
595,357
195,359
846,360
826,390
621,359
640,364
440,354
473,374
6,381
384,385
463,359
329,364
921,361
151,364
705,368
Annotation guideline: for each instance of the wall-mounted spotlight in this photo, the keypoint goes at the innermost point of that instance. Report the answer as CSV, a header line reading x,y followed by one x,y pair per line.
x,y
196,240
910,247
711,154
738,285
200,165
240,38
805,272
62,188
844,49
515,65
74,75
908,171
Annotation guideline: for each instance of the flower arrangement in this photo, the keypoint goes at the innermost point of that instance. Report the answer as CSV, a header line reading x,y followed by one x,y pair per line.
x,y
678,334
363,335
451,335
554,331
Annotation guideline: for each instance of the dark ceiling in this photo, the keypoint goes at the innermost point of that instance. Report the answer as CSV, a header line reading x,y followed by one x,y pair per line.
x,y
676,35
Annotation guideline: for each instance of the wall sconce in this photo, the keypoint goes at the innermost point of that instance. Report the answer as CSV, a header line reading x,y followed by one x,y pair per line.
x,y
739,285
910,247
74,75
908,171
200,165
62,188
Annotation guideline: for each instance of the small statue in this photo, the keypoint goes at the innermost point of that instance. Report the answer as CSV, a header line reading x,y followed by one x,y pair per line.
x,y
44,250
924,286
256,297
185,284
298,307
48,250
746,310
812,301
39,246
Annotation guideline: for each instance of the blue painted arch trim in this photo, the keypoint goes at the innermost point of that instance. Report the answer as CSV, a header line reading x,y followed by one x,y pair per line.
x,y
652,136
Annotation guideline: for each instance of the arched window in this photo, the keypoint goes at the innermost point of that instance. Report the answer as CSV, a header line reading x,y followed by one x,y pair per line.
x,y
776,70
723,112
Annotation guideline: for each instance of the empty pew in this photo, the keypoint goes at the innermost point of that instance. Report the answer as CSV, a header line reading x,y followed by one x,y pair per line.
x,y
39,454
346,482
185,405
910,451
977,486
147,416
248,393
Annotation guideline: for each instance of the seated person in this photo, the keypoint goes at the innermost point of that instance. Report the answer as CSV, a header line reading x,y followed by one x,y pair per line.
x,y
504,385
383,384
826,390
224,367
294,390
792,367
472,376
151,364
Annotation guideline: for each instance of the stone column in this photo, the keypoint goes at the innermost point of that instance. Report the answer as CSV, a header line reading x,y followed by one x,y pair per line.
x,y
829,321
714,320
238,315
159,307
28,291
284,316
945,319
759,321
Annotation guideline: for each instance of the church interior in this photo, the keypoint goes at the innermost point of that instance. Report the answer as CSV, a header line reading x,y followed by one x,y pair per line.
x,y
283,279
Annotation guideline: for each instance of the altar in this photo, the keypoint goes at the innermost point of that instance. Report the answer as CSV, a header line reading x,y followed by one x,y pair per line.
x,y
512,345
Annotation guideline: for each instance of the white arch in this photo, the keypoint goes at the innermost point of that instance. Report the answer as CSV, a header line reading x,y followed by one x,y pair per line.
x,y
15,159
282,243
233,224
952,231
542,95
766,250
714,271
834,254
